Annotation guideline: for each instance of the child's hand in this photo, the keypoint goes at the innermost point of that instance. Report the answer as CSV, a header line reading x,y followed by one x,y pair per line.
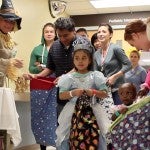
x,y
123,110
89,92
77,92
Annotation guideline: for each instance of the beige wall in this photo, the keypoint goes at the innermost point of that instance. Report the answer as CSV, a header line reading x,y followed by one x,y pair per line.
x,y
34,13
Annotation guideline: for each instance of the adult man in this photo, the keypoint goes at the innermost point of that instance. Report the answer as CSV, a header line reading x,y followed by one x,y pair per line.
x,y
60,54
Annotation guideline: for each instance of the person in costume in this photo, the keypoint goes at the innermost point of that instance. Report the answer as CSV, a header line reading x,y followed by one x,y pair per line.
x,y
82,122
9,22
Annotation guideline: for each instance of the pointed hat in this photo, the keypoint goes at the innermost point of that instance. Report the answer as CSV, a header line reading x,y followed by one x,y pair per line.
x,y
7,11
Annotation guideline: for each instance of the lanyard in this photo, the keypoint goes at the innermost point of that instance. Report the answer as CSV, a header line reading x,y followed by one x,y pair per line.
x,y
104,57
43,54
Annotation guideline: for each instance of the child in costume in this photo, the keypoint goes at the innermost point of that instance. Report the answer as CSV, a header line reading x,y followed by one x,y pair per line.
x,y
82,122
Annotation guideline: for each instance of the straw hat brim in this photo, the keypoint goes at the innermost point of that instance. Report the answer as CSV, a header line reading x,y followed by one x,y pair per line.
x,y
12,17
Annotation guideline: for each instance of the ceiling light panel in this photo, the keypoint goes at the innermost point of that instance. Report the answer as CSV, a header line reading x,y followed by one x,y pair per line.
x,y
118,3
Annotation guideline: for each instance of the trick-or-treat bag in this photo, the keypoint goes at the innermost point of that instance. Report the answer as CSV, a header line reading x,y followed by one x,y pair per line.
x,y
43,110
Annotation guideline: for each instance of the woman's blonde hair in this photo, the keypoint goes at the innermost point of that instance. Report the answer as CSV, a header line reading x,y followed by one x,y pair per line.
x,y
135,51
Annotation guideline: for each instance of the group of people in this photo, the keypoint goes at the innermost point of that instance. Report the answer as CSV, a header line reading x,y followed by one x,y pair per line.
x,y
72,58
85,76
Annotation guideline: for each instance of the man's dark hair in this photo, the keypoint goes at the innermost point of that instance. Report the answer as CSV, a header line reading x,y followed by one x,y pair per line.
x,y
65,23
81,30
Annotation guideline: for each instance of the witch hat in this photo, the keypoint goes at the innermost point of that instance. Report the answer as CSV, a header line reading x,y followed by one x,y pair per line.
x,y
7,12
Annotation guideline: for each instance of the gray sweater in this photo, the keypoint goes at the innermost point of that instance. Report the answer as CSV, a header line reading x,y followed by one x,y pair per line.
x,y
115,61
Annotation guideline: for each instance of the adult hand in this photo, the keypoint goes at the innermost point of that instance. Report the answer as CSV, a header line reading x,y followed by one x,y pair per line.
x,y
18,63
28,76
56,80
143,92
40,66
111,80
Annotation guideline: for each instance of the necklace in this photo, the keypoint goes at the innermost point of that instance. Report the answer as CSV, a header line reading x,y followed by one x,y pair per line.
x,y
104,54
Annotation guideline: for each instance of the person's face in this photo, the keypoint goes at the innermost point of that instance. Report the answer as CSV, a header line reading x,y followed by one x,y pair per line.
x,y
65,36
49,33
97,44
134,58
140,41
82,33
126,95
6,25
81,61
104,35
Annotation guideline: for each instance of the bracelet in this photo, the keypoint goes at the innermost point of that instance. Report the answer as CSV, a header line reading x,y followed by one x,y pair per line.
x,y
70,93
117,113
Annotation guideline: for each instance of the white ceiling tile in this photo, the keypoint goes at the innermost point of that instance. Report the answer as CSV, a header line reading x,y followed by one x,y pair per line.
x,y
84,7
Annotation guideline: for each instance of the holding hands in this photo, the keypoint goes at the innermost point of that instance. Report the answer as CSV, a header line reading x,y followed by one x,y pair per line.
x,y
90,92
79,92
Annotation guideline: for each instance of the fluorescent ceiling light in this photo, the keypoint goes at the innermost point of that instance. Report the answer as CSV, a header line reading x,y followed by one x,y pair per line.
x,y
118,3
